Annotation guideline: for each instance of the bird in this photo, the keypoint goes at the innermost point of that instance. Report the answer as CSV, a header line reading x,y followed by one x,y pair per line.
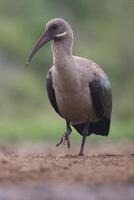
x,y
78,89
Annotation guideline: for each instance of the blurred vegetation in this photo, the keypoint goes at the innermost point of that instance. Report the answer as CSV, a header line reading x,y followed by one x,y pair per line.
x,y
104,32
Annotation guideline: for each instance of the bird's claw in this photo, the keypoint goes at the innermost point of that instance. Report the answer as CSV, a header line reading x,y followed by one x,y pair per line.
x,y
64,140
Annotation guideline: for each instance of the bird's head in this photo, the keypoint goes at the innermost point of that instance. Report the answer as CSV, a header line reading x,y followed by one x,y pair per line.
x,y
56,29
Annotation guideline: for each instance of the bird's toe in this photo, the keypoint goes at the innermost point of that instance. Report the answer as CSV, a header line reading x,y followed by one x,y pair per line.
x,y
64,140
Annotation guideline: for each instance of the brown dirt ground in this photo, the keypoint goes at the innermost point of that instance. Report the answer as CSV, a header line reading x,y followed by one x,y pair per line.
x,y
44,172
67,169
41,165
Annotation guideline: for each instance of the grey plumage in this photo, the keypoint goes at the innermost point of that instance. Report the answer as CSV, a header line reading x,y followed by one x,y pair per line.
x,y
78,88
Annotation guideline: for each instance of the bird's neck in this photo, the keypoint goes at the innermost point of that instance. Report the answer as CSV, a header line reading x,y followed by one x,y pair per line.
x,y
62,53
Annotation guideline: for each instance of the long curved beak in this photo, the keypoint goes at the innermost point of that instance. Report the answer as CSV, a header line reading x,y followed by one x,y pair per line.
x,y
44,38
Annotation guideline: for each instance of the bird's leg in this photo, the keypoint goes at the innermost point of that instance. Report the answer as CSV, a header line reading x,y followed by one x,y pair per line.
x,y
65,137
85,133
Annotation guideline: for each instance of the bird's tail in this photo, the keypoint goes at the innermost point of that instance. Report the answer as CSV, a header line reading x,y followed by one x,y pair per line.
x,y
100,127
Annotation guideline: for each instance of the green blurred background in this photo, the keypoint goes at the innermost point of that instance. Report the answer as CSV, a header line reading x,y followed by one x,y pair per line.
x,y
104,32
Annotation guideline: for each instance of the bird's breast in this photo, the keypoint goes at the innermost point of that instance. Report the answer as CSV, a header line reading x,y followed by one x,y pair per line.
x,y
74,100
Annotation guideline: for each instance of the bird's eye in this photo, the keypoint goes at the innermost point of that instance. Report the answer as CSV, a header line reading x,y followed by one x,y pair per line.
x,y
55,26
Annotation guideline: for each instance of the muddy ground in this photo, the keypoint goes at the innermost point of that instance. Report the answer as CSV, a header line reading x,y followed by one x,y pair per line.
x,y
42,171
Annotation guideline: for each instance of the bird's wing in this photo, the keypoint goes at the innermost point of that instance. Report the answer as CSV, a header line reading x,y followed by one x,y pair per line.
x,y
101,96
51,92
102,101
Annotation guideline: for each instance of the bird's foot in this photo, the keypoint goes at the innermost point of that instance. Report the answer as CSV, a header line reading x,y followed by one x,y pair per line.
x,y
65,139
80,154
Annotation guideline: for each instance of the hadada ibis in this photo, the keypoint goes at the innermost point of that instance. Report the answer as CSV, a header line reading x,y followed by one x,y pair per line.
x,y
77,88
